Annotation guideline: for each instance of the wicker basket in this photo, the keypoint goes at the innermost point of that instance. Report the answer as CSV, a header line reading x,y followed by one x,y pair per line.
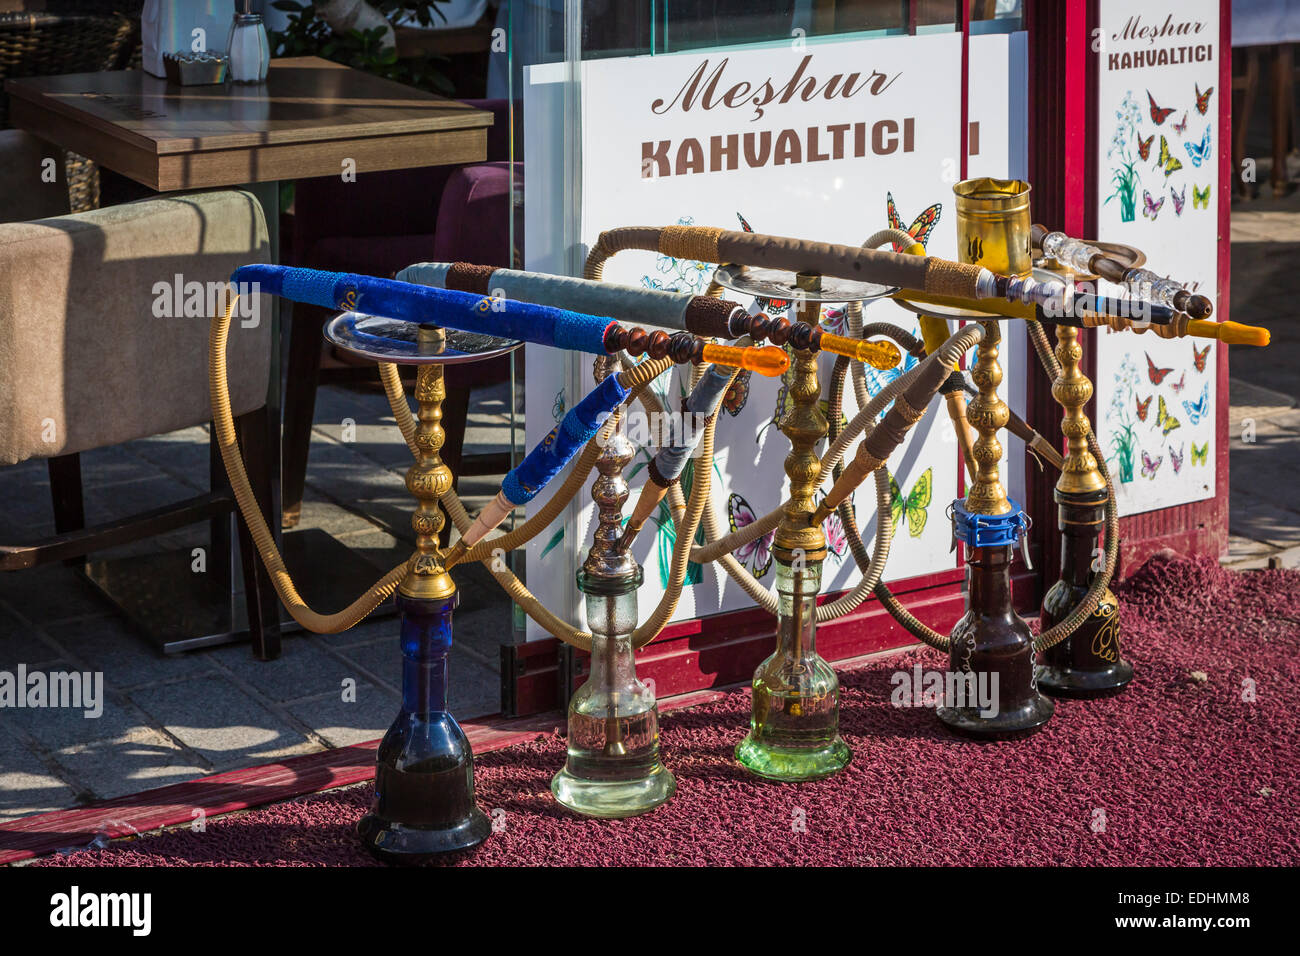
x,y
47,44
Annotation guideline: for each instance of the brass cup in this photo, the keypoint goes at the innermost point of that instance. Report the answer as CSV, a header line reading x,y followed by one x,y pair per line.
x,y
993,224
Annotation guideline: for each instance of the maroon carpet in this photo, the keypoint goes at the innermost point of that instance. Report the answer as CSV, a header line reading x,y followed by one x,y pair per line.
x,y
1184,769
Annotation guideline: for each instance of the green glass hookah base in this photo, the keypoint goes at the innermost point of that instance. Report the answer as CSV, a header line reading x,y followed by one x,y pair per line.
x,y
780,763
613,799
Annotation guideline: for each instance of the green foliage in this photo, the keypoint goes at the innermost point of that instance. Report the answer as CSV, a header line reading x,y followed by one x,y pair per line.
x,y
308,35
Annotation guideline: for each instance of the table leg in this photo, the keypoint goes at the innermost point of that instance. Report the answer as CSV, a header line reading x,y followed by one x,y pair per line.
x,y
1283,68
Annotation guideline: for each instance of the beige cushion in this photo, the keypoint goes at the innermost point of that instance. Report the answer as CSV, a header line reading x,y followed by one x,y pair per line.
x,y
92,350
26,189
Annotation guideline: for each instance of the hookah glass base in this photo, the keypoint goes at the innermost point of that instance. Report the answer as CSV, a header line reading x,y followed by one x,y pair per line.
x,y
790,764
794,724
1080,684
613,768
425,806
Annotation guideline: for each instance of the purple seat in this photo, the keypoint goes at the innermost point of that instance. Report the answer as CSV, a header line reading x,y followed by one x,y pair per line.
x,y
377,225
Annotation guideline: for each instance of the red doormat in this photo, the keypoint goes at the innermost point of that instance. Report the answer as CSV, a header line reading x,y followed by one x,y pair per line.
x,y
1196,763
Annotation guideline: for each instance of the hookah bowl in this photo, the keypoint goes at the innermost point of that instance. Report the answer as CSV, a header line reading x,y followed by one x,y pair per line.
x,y
424,803
991,643
1086,664
795,718
613,767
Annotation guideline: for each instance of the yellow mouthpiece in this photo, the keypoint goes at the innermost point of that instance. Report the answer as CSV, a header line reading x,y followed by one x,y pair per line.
x,y
881,355
767,360
1229,333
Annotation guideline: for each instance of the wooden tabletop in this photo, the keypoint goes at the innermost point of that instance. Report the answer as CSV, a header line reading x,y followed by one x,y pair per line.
x,y
309,117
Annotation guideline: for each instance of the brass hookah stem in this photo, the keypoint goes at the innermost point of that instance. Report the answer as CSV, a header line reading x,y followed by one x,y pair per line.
x,y
804,425
607,557
1072,390
429,478
988,413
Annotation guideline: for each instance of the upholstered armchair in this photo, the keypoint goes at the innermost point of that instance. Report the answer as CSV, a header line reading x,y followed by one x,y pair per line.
x,y
94,354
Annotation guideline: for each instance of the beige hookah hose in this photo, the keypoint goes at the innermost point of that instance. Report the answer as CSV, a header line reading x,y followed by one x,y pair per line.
x,y
224,427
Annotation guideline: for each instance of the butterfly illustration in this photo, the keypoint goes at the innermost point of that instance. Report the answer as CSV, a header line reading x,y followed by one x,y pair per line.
x,y
1143,407
1144,146
1178,385
1167,159
1176,458
772,307
1202,454
1151,209
1194,412
737,394
1202,99
1199,356
1200,200
1157,375
1180,128
1164,421
757,553
878,379
835,321
921,226
1179,200
836,540
557,407
1199,153
1158,114
914,507
1150,467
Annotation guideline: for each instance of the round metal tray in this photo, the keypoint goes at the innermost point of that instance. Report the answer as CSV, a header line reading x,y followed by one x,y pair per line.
x,y
389,340
780,284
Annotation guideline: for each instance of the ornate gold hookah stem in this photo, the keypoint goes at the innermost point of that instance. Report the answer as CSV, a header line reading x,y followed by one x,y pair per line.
x,y
804,425
429,478
1072,390
987,413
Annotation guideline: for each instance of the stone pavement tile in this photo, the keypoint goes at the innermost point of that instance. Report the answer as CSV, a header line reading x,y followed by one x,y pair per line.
x,y
383,444
113,465
1290,420
342,474
52,592
183,452
1260,519
140,759
55,727
381,659
482,632
110,644
304,669
331,518
21,644
372,629
26,784
1246,549
125,499
343,723
335,403
215,718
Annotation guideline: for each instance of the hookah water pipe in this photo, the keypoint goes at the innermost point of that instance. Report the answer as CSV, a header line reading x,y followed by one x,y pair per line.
x,y
1088,662
424,803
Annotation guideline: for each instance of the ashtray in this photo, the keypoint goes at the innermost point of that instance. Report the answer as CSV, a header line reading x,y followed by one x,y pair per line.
x,y
195,69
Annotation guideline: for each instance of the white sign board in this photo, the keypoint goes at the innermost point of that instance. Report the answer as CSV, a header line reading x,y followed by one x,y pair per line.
x,y
1158,178
814,140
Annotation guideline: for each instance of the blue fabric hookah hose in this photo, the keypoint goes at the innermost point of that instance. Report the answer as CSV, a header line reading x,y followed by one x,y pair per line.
x,y
406,301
